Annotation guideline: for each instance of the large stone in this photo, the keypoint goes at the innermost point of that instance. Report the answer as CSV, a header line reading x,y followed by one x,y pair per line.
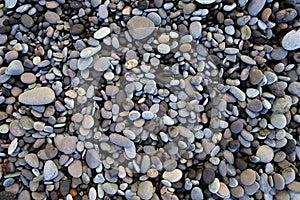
x,y
37,96
291,40
140,27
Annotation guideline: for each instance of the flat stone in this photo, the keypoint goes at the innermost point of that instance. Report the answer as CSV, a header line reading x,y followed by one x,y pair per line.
x,y
102,64
145,190
265,154
75,169
173,176
28,78
120,140
92,193
195,29
163,48
255,6
237,93
196,194
290,41
65,144
50,170
278,120
89,51
14,68
248,60
279,53
237,192
264,183
205,2
32,160
12,146
289,175
37,96
248,177
279,182
52,17
88,122
286,15
294,186
294,88
237,126
140,27
10,3
102,33
214,186
110,188
15,129
102,12
27,21
223,190
208,175
255,105
76,29
92,158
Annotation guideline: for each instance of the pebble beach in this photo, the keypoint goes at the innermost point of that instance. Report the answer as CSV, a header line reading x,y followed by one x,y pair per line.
x,y
149,99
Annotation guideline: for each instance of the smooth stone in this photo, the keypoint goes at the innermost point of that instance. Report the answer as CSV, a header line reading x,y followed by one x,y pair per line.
x,y
52,17
255,6
163,48
195,29
255,105
265,154
248,177
278,120
289,175
294,186
279,53
279,182
89,51
237,126
92,193
246,32
92,158
223,190
291,40
264,183
145,190
14,68
248,60
75,169
76,29
214,186
10,3
12,146
147,115
3,38
27,21
294,88
28,78
173,176
102,33
140,27
103,11
88,122
50,170
120,140
237,93
37,96
208,175
111,90
110,188
205,2
65,144
24,195
196,194
32,160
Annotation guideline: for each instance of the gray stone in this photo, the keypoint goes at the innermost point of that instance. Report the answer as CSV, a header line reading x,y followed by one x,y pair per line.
x,y
294,88
265,154
50,170
37,96
279,182
32,160
10,3
120,140
205,2
140,27
27,21
173,176
52,17
75,169
279,53
110,188
3,38
102,33
289,175
102,12
282,105
255,6
291,40
14,68
238,93
196,194
278,120
155,18
195,29
286,15
145,190
92,158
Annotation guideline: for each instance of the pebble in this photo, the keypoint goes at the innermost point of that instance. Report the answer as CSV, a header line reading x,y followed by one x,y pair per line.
x,y
294,88
214,186
265,153
65,144
279,53
76,29
290,40
110,188
52,17
279,182
102,33
10,3
163,48
248,60
120,140
282,105
75,169
14,68
255,6
255,105
205,2
12,146
294,186
102,12
278,120
28,78
173,176
237,126
223,191
140,27
50,170
289,175
208,175
195,29
286,15
145,190
196,194
92,158
248,177
32,160
37,96
27,21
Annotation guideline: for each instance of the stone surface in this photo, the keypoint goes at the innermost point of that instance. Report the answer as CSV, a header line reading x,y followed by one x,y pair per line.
x,y
50,170
140,27
265,154
75,169
14,68
255,6
248,177
145,190
37,96
290,40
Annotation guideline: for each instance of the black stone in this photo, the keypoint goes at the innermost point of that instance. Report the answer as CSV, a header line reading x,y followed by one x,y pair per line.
x,y
290,147
208,175
143,4
64,187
